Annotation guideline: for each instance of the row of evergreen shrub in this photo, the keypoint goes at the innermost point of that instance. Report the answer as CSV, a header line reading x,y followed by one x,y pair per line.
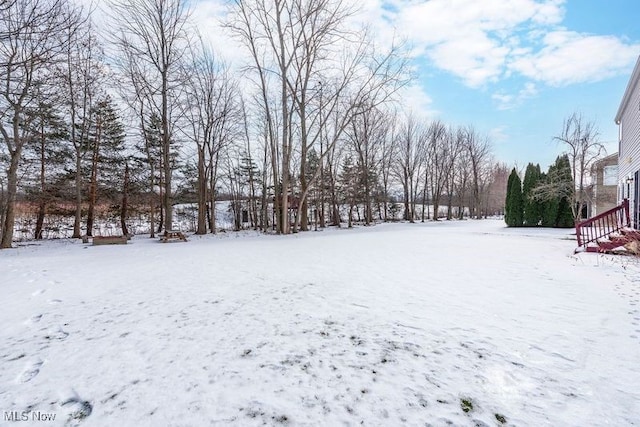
x,y
541,199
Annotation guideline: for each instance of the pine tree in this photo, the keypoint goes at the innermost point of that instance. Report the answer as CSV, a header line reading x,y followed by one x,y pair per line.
x,y
151,149
549,203
508,212
349,185
518,202
514,203
565,213
556,192
251,176
106,141
533,208
48,151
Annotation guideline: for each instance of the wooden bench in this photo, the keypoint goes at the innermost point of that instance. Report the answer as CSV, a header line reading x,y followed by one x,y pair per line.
x,y
109,240
173,236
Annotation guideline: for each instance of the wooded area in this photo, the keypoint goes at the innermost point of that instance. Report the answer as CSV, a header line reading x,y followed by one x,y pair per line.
x,y
148,116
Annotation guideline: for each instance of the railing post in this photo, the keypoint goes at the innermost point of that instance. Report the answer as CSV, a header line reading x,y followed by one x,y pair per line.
x,y
604,224
625,206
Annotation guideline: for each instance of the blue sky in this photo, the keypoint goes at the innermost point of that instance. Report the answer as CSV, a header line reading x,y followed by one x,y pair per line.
x,y
514,69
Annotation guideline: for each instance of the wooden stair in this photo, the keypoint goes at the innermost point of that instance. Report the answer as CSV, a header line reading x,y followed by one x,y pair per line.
x,y
614,242
607,232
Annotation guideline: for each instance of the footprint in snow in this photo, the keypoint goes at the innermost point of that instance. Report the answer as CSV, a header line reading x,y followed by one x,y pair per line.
x,y
38,292
33,319
77,408
30,371
11,357
55,301
56,333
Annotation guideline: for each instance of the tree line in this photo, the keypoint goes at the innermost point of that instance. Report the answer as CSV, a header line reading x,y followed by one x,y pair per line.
x,y
559,197
541,199
148,116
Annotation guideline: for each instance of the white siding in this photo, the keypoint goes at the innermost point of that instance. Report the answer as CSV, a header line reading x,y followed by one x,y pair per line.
x,y
629,160
628,118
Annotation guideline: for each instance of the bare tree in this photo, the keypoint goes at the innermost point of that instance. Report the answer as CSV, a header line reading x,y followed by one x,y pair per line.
x,y
211,112
49,154
580,140
458,177
313,56
387,159
154,32
82,77
443,149
411,142
478,149
134,92
461,178
31,41
367,136
496,190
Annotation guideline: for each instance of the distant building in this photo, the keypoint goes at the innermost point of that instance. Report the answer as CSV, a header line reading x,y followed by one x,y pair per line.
x,y
628,121
604,190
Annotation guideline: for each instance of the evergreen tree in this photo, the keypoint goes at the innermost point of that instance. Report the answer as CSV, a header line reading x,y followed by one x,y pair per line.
x,y
49,153
106,143
556,192
350,179
514,202
550,212
533,208
517,202
150,148
549,203
251,176
508,212
566,184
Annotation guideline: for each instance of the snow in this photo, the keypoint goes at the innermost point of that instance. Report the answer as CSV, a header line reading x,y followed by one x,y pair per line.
x,y
386,325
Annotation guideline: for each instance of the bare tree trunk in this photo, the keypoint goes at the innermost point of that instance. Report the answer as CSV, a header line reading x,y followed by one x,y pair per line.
x,y
93,183
406,190
322,182
335,209
166,150
32,35
78,213
153,32
12,190
42,204
212,196
124,205
265,200
424,199
202,194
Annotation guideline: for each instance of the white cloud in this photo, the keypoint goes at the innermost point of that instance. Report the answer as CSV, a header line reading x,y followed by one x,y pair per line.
x,y
473,39
498,134
479,41
568,57
506,101
415,99
209,16
486,41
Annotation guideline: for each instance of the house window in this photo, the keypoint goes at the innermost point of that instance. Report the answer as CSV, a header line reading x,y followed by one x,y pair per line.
x,y
620,139
620,131
610,175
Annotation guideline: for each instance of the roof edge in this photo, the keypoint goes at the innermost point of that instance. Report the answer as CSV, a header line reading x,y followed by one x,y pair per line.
x,y
635,75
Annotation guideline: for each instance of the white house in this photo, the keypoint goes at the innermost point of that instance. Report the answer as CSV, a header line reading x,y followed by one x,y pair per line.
x,y
628,121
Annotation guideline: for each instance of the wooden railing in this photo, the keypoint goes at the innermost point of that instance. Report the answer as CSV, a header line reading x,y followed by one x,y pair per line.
x,y
603,225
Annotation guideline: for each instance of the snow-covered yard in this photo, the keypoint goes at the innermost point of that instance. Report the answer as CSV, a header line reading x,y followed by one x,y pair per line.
x,y
462,323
